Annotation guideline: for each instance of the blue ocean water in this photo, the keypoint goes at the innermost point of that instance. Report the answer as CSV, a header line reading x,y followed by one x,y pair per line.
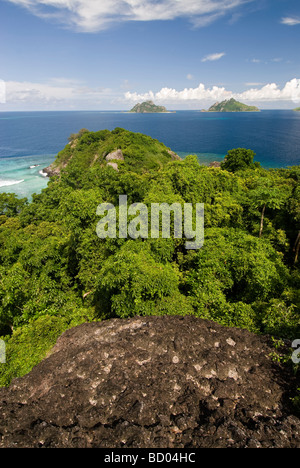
x,y
29,141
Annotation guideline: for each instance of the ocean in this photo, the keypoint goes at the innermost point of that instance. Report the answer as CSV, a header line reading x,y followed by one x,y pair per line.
x,y
30,141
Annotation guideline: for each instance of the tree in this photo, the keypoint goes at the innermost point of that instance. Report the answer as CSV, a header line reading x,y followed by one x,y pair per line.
x,y
239,159
231,274
10,204
132,283
294,207
266,195
77,136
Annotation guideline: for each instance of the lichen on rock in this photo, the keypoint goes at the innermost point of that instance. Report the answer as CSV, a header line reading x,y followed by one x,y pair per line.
x,y
159,382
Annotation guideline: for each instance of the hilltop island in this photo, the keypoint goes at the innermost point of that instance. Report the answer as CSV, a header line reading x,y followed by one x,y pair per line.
x,y
148,107
232,106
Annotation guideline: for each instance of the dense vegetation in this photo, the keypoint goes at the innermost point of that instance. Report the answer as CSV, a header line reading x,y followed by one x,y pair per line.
x,y
55,273
232,106
148,107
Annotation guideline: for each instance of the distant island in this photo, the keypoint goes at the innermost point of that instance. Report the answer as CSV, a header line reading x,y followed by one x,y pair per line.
x,y
148,107
297,109
232,106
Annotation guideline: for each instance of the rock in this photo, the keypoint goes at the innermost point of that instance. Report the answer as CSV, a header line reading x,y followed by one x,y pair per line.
x,y
216,164
159,382
51,171
174,156
114,166
115,156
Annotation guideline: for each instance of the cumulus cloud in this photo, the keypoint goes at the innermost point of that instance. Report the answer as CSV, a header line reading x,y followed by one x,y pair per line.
x,y
290,21
170,94
94,15
213,57
269,92
272,92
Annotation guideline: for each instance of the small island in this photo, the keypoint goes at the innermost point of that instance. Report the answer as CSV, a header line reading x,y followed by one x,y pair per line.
x,y
148,107
232,106
297,109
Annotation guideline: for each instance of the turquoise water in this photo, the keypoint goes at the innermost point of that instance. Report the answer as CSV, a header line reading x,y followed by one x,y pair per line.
x,y
30,139
23,175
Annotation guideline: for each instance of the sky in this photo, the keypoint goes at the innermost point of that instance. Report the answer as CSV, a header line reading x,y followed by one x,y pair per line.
x,y
184,54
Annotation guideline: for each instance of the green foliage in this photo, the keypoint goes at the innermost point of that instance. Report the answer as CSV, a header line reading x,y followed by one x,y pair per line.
x,y
230,274
89,150
56,273
239,159
132,283
77,136
279,319
11,205
31,343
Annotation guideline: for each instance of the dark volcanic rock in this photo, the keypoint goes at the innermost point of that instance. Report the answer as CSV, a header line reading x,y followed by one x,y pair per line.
x,y
51,172
156,382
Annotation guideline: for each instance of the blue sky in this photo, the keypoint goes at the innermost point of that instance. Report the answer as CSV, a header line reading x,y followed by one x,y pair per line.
x,y
185,54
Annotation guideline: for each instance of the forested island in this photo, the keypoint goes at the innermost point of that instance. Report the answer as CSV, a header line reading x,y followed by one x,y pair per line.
x,y
297,109
148,107
55,273
232,105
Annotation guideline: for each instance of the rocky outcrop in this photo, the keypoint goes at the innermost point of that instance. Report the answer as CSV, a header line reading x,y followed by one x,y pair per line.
x,y
115,156
114,166
51,171
215,164
174,156
155,382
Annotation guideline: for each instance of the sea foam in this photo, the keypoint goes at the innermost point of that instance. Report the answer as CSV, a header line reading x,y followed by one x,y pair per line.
x,y
42,173
6,183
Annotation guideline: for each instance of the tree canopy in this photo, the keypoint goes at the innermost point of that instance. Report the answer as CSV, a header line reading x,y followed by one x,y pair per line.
x,y
239,159
56,273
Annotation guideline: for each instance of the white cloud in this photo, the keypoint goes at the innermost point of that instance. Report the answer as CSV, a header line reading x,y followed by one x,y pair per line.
x,y
289,21
2,92
190,76
253,84
57,93
269,92
63,94
169,94
213,57
94,15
